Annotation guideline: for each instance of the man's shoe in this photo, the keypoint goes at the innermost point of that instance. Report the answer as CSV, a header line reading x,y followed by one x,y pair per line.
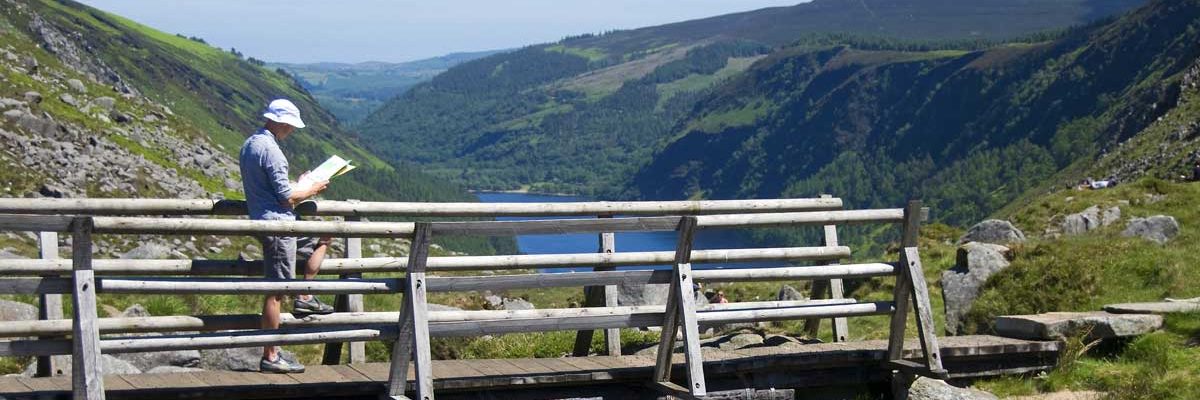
x,y
311,306
279,366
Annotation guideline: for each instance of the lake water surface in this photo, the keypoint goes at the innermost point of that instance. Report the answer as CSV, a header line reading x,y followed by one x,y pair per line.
x,y
626,241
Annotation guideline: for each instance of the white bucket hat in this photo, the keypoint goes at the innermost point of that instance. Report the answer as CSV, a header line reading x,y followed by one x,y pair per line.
x,y
283,111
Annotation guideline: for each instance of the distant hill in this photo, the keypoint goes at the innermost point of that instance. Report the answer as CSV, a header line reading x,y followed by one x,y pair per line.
x,y
351,91
96,105
581,115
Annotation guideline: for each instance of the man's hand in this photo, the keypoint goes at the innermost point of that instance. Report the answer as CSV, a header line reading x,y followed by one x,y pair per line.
x,y
301,195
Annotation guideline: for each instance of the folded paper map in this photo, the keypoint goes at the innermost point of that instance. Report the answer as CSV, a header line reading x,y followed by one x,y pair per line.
x,y
334,166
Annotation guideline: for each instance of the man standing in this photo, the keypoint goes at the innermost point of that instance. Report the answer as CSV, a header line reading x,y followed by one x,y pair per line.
x,y
270,196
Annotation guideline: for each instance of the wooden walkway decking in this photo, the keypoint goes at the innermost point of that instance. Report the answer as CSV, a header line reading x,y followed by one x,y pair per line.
x,y
789,366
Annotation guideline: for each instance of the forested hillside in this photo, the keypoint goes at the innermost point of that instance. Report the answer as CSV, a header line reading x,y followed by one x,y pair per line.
x,y
966,131
582,114
97,105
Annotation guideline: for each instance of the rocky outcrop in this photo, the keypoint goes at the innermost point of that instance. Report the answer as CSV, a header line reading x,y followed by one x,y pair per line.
x,y
1163,307
642,295
934,389
1159,228
789,293
516,304
1059,325
1089,219
961,285
993,231
16,311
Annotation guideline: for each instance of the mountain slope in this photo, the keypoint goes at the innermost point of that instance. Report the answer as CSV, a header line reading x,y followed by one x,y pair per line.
x,y
122,110
966,132
580,115
351,91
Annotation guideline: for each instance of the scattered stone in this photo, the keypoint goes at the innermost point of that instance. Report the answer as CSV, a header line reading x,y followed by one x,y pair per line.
x,y
14,115
33,97
736,341
30,64
177,358
1058,325
10,103
1064,395
52,190
993,231
780,340
1161,307
494,301
16,311
76,85
171,369
148,251
239,359
935,389
961,285
224,242
120,117
1158,228
517,304
106,103
789,293
68,99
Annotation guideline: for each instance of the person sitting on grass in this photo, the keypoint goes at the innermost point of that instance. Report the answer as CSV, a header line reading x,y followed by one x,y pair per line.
x,y
270,196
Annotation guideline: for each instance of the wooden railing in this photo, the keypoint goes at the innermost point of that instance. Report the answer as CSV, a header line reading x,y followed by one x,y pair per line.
x,y
413,326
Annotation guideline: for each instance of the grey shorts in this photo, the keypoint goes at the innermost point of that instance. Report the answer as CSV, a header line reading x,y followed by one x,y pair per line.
x,y
281,252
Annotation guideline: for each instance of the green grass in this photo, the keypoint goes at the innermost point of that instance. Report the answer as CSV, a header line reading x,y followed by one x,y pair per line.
x,y
592,54
697,82
742,116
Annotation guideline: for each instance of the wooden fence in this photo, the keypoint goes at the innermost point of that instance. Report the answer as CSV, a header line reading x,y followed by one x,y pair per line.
x,y
411,328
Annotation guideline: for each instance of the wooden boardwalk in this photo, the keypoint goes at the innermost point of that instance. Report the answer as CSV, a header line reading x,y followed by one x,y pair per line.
x,y
788,366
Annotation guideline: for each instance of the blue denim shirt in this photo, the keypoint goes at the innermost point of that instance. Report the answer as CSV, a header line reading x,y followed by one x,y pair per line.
x,y
265,178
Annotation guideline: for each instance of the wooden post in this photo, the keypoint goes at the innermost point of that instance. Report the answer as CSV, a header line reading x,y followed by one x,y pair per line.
x,y
413,340
87,379
925,326
50,307
902,293
835,288
600,296
348,303
680,312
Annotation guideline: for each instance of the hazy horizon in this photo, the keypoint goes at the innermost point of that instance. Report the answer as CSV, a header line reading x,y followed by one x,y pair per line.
x,y
399,31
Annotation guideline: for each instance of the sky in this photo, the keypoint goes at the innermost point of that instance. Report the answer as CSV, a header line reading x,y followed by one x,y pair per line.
x,y
403,30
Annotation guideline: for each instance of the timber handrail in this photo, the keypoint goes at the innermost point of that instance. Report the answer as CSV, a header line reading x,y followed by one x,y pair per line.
x,y
412,327
403,209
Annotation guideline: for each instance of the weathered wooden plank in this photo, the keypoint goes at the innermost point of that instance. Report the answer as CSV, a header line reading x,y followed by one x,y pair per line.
x,y
246,286
354,302
902,293
555,226
35,223
596,296
368,208
413,332
893,215
925,325
335,266
234,227
87,379
50,307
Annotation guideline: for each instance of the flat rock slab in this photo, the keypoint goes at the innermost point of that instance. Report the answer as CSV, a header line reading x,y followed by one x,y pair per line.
x,y
1158,307
1056,325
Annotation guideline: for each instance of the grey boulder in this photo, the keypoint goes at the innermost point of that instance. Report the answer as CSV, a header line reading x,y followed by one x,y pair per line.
x,y
76,85
148,251
1059,325
993,231
517,304
961,285
1158,228
934,389
1089,219
16,311
789,293
239,359
642,295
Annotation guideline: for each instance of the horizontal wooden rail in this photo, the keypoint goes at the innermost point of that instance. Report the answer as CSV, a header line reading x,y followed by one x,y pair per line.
x,y
339,266
202,226
210,323
891,215
247,286
620,317
365,208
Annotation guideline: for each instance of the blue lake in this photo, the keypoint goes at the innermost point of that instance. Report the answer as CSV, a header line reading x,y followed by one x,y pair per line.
x,y
625,241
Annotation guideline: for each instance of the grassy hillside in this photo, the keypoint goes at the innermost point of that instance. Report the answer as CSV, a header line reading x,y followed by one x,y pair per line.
x,y
582,114
351,91
968,132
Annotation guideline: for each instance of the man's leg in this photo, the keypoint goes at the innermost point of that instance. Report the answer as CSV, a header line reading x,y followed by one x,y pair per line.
x,y
270,320
312,251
